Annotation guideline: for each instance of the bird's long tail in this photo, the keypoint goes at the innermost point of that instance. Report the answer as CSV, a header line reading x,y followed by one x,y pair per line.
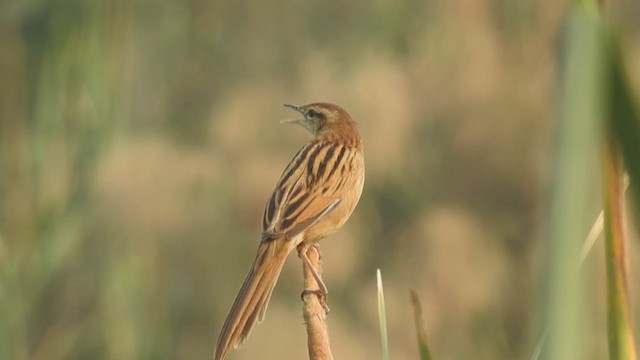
x,y
252,299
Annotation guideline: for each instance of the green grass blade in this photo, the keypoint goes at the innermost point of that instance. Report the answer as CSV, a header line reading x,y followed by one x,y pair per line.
x,y
382,318
423,345
624,123
581,109
624,119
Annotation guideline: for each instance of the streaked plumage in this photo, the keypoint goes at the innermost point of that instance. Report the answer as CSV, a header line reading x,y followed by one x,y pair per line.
x,y
314,197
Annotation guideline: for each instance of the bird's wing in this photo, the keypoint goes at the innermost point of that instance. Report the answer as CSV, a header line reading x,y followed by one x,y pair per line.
x,y
313,217
303,195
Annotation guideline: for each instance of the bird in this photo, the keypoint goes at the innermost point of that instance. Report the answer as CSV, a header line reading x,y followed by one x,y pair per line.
x,y
314,197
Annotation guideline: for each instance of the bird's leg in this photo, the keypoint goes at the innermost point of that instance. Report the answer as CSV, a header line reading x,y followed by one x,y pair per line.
x,y
323,291
323,287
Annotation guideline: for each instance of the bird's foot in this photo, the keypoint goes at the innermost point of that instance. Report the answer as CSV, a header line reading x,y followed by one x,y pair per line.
x,y
322,297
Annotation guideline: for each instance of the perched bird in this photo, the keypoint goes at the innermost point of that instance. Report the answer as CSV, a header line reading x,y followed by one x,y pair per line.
x,y
314,197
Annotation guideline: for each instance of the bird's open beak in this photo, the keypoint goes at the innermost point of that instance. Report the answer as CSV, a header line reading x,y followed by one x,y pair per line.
x,y
292,121
294,107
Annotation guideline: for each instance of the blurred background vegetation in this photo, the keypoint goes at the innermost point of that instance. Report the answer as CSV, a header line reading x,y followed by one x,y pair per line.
x,y
139,141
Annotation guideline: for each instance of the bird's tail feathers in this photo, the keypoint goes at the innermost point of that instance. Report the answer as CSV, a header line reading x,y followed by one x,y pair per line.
x,y
252,300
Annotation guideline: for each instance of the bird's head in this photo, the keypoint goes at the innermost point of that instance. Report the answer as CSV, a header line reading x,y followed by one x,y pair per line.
x,y
319,118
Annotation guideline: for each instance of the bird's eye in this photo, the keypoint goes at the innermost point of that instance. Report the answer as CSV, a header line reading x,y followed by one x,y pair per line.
x,y
312,113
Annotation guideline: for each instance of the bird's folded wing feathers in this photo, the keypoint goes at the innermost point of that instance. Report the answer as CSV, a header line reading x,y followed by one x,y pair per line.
x,y
297,214
300,199
313,217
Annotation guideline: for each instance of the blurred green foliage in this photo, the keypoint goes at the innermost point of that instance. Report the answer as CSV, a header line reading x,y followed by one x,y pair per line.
x,y
139,141
581,116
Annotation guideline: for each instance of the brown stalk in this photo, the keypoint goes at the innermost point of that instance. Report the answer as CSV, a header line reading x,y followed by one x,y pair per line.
x,y
314,311
621,338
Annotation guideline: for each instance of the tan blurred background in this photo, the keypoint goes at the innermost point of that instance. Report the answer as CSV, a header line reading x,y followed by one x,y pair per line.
x,y
139,141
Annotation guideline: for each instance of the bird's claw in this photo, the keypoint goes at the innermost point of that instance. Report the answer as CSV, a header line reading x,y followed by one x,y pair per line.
x,y
322,297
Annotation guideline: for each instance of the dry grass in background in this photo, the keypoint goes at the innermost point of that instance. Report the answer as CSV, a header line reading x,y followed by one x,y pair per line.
x,y
139,142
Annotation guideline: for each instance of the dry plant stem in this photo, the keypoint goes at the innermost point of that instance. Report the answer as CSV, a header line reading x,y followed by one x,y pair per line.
x,y
596,229
621,338
314,310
